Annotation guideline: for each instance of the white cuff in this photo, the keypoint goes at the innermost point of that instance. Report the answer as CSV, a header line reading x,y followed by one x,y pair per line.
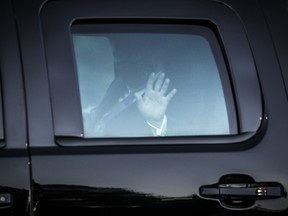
x,y
159,131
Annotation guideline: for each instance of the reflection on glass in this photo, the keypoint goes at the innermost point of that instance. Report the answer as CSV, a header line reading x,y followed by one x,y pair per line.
x,y
149,84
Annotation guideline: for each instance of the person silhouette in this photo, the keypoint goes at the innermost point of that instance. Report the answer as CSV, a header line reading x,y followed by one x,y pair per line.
x,y
133,97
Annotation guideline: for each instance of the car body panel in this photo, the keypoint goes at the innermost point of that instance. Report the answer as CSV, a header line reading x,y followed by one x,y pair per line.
x,y
85,179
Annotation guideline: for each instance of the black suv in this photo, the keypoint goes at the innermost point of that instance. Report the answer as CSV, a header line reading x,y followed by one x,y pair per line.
x,y
144,105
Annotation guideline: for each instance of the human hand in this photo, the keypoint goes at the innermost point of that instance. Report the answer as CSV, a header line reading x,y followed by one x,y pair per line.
x,y
152,101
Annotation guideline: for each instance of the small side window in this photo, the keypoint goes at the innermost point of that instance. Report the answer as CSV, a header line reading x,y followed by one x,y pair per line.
x,y
152,80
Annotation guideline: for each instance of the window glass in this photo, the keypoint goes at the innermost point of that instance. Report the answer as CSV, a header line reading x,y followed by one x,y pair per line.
x,y
152,83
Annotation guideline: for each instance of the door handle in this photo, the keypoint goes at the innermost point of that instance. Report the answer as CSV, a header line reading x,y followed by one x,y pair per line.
x,y
241,191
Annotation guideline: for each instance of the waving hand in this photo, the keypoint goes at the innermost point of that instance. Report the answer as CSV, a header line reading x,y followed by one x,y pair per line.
x,y
153,103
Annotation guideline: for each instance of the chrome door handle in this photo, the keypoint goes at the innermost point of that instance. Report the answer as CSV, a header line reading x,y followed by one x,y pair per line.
x,y
257,190
241,191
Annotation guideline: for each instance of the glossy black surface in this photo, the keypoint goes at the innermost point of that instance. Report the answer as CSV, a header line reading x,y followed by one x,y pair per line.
x,y
39,176
14,201
54,199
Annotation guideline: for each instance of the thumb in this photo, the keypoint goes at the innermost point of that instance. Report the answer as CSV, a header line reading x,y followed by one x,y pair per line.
x,y
138,96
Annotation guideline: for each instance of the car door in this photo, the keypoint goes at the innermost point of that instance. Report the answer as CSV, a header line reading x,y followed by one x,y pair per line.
x,y
131,105
14,160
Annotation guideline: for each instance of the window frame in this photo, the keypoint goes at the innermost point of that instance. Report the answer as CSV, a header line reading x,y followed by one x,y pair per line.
x,y
69,131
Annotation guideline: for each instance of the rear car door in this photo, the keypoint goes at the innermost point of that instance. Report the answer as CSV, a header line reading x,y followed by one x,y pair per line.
x,y
134,106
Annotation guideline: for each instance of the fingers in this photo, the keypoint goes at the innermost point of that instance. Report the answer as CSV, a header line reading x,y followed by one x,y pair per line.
x,y
164,86
150,82
159,82
171,95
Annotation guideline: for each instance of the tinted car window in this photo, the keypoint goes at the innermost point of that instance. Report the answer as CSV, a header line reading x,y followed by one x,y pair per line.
x,y
159,83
